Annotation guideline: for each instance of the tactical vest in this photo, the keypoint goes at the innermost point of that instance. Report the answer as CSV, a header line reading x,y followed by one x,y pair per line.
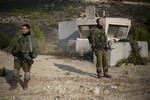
x,y
24,44
100,37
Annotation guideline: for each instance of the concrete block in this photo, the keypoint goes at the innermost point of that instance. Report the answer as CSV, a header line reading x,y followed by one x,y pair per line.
x,y
82,46
144,48
67,31
123,50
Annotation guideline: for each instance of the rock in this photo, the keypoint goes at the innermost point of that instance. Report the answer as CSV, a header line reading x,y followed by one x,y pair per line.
x,y
69,98
19,17
106,92
25,16
68,82
48,87
96,91
57,97
123,64
60,90
81,86
114,87
46,6
2,53
13,97
14,19
58,87
130,64
87,89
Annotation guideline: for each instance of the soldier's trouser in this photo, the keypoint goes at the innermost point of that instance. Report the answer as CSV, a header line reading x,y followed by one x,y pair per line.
x,y
101,61
25,65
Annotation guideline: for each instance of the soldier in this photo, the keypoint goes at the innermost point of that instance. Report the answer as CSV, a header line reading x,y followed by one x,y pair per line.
x,y
24,51
99,45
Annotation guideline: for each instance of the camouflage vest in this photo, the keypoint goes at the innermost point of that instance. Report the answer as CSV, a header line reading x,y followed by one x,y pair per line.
x,y
24,44
100,37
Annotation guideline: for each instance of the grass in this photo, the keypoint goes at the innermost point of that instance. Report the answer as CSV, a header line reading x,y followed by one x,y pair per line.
x,y
2,72
68,73
37,15
4,40
121,62
51,23
38,32
141,33
132,60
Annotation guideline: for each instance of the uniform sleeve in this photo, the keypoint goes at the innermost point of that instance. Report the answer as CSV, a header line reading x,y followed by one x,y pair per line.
x,y
12,43
35,47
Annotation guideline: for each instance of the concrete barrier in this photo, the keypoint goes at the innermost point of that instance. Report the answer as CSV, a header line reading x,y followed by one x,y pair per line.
x,y
123,50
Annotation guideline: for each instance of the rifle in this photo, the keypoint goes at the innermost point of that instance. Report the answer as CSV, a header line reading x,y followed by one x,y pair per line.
x,y
102,46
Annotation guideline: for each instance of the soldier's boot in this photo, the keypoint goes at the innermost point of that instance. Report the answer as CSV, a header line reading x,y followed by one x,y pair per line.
x,y
105,71
25,84
107,75
14,84
99,73
99,76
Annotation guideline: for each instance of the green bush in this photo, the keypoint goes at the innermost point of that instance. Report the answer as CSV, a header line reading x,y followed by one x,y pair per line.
x,y
4,40
51,23
38,32
2,71
141,33
121,62
132,60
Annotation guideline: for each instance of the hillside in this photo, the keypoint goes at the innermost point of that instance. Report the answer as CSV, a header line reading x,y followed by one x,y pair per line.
x,y
70,78
44,15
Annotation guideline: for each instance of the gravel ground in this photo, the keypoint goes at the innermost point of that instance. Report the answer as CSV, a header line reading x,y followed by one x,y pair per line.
x,y
54,78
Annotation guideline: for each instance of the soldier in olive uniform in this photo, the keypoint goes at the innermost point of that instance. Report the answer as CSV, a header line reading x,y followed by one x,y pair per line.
x,y
99,45
24,51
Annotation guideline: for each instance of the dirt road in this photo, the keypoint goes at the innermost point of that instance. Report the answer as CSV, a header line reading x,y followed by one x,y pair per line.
x,y
54,78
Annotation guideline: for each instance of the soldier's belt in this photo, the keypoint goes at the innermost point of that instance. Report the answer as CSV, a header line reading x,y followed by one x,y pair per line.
x,y
100,46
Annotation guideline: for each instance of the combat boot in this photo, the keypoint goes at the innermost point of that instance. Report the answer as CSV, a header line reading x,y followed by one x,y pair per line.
x,y
107,76
99,76
25,84
99,72
14,85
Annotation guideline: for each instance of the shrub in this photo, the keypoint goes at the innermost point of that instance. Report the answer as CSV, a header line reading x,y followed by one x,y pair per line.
x,y
51,23
68,73
4,40
38,32
134,59
2,71
141,33
121,62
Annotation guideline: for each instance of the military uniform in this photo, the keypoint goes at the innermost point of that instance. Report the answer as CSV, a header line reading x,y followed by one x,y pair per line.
x,y
99,44
24,51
